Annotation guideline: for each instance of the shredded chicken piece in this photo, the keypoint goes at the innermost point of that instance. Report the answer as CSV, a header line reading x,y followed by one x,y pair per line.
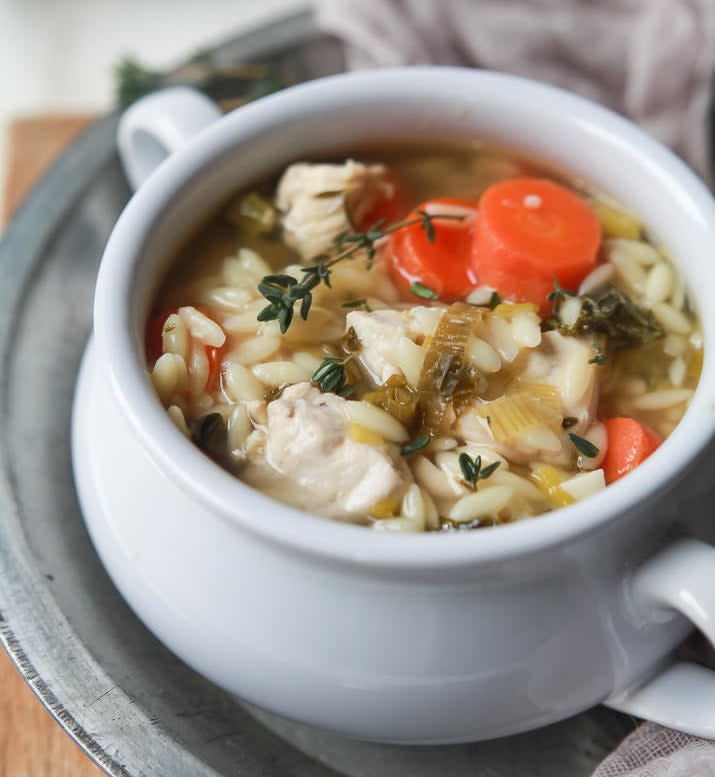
x,y
380,333
315,200
309,458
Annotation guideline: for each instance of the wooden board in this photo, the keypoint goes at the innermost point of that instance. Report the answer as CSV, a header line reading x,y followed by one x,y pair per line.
x,y
32,744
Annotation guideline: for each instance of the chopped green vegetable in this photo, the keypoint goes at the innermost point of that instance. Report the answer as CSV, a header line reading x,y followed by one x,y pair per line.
x,y
397,398
494,300
609,312
584,446
253,214
446,376
615,222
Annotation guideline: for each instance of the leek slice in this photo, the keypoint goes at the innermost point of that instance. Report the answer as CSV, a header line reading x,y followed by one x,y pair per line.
x,y
446,376
513,414
549,480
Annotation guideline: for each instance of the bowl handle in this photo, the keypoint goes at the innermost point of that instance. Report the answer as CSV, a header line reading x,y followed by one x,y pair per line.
x,y
681,695
154,127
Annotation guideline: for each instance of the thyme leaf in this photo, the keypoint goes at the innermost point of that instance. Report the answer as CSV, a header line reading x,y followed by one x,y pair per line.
x,y
427,225
284,291
494,300
330,375
420,442
584,446
422,290
473,471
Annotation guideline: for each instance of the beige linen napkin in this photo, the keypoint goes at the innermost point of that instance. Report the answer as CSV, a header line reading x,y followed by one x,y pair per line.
x,y
651,60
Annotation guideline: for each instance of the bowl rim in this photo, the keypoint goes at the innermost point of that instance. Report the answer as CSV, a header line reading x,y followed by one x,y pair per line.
x,y
275,521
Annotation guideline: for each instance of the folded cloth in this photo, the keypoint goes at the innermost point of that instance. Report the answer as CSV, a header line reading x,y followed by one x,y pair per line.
x,y
651,60
656,751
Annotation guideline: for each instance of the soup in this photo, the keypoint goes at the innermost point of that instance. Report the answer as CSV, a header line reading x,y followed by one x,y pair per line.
x,y
424,338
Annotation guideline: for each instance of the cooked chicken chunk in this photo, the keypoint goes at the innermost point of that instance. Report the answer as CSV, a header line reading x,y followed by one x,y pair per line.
x,y
565,363
314,199
562,363
382,335
311,461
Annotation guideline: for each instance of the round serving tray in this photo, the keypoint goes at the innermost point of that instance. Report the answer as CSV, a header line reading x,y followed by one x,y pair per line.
x,y
134,707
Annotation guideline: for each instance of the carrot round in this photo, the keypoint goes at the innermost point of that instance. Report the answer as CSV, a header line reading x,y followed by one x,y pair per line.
x,y
629,444
531,231
442,264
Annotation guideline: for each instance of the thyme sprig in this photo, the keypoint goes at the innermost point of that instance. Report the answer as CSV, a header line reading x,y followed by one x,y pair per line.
x,y
283,292
232,84
331,376
473,471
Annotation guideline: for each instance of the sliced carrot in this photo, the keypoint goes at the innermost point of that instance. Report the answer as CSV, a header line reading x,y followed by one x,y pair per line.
x,y
442,264
530,231
153,346
629,444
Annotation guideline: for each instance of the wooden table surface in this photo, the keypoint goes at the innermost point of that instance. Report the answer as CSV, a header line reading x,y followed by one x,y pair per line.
x,y
32,744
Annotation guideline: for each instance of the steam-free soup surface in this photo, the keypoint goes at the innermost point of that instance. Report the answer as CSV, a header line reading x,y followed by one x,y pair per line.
x,y
424,338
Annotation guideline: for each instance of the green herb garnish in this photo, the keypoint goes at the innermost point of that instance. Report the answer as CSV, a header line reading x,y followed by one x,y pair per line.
x,y
421,290
330,376
284,291
609,312
559,294
239,83
397,398
494,300
473,471
584,446
415,445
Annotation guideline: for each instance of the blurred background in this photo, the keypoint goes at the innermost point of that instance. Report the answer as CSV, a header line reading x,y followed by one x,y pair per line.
x,y
58,57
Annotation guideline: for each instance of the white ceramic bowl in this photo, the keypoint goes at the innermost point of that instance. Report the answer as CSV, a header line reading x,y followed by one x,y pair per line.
x,y
413,639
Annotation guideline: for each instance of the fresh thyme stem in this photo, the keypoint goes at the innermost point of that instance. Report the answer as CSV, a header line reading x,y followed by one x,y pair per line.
x,y
284,291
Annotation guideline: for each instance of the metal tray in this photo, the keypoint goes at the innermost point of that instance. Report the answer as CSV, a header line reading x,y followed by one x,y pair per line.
x,y
133,706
